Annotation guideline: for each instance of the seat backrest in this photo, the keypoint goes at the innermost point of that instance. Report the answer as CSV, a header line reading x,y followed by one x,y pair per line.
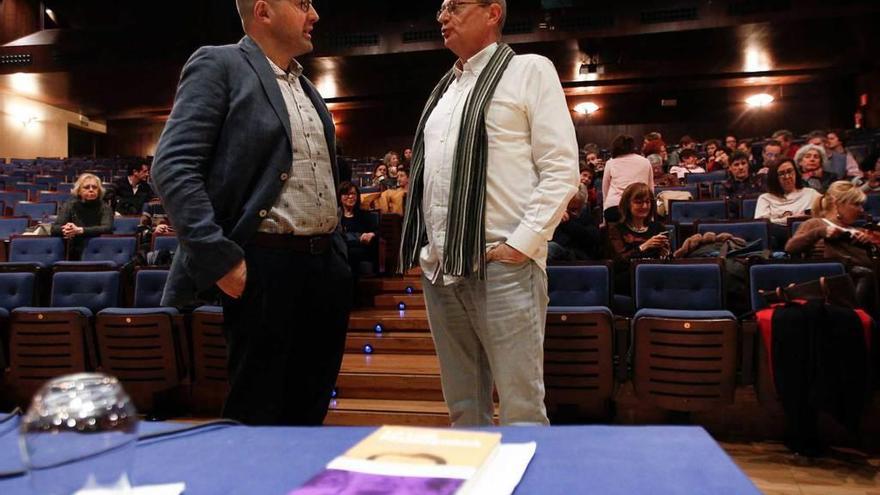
x,y
748,208
119,250
148,288
749,231
12,226
35,211
578,285
769,277
872,205
16,289
65,187
35,249
93,290
126,225
691,211
165,242
682,287
715,176
57,197
12,197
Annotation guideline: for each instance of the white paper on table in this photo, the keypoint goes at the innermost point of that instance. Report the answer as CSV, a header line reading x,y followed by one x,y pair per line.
x,y
166,489
505,469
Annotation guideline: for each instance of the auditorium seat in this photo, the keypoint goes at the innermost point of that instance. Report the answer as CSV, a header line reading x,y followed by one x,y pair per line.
x,y
164,242
210,380
56,197
108,252
578,349
10,226
715,176
36,212
687,212
9,198
46,342
16,289
872,205
684,341
126,225
747,208
145,346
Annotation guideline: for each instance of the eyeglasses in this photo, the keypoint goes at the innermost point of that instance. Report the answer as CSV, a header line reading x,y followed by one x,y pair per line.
x,y
786,173
349,193
451,7
305,5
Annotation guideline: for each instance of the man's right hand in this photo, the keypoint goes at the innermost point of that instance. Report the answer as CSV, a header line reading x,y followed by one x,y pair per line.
x,y
232,284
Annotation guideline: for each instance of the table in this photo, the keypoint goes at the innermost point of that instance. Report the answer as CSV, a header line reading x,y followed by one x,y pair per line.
x,y
569,459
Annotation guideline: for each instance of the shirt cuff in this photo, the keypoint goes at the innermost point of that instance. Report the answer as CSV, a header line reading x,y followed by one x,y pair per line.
x,y
527,241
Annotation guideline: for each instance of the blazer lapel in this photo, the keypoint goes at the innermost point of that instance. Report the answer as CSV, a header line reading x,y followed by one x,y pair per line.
x,y
260,64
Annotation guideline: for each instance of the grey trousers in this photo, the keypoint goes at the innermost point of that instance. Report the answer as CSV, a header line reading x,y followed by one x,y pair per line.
x,y
492,329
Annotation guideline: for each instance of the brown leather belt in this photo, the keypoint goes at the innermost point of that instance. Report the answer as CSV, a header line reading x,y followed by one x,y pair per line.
x,y
306,244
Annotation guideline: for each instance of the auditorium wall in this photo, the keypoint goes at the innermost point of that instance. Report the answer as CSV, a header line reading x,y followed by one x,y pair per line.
x,y
18,18
29,128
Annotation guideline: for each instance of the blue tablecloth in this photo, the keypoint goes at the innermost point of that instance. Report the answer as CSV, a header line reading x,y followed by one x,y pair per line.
x,y
569,459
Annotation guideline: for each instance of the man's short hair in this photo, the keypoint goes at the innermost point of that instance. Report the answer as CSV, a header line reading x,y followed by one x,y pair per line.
x,y
133,169
245,9
503,20
686,140
653,136
772,142
739,156
784,134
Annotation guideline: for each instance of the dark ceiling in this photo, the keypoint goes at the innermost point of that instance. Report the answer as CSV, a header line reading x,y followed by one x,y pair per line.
x,y
109,59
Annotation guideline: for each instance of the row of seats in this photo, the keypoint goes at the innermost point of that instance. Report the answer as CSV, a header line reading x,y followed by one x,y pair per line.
x,y
16,225
84,328
685,349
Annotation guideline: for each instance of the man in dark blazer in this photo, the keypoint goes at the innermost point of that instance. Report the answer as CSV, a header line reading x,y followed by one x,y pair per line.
x,y
246,169
131,192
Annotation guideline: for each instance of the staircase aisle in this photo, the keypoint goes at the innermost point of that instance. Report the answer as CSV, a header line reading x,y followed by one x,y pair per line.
x,y
390,373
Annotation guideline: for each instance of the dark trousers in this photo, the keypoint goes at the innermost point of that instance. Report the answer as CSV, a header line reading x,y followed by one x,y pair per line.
x,y
286,336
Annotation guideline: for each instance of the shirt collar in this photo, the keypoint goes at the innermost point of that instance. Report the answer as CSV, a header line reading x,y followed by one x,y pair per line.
x,y
293,69
476,63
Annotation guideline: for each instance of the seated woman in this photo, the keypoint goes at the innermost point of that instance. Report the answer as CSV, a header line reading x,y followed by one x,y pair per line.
x,y
786,197
638,235
812,162
740,182
380,175
84,215
358,227
830,234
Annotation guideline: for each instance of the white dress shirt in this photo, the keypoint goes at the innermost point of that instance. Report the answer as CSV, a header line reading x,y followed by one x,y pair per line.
x,y
532,168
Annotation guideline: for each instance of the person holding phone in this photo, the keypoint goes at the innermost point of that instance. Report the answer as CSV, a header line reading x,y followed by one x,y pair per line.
x,y
638,235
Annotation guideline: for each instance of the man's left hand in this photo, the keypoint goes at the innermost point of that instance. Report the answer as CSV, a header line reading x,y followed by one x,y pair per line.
x,y
504,253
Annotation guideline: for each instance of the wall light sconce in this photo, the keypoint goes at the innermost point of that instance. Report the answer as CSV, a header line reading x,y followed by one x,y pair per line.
x,y
759,100
586,108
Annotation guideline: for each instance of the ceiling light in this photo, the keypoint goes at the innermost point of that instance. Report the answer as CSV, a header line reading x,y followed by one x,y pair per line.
x,y
759,100
586,108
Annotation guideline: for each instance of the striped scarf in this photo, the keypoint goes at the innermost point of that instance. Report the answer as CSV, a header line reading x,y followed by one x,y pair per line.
x,y
465,247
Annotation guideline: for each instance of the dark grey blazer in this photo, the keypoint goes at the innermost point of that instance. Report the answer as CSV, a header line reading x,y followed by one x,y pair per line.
x,y
222,160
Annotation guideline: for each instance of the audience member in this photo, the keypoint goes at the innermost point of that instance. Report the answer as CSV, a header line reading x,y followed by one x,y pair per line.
x,y
393,200
830,235
870,179
772,152
812,161
740,182
84,215
587,179
624,168
840,160
656,147
686,142
358,227
721,159
380,175
786,195
786,140
730,142
637,235
593,157
577,236
687,165
133,191
407,158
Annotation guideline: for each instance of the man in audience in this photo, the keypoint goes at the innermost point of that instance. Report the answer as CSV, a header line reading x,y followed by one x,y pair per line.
x,y
576,237
786,138
740,182
772,152
407,157
685,143
393,200
133,191
247,172
487,209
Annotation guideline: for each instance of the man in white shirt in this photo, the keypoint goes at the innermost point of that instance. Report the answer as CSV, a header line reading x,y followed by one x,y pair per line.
x,y
487,190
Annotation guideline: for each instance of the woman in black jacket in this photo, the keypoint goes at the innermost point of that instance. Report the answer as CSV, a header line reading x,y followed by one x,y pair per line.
x,y
84,215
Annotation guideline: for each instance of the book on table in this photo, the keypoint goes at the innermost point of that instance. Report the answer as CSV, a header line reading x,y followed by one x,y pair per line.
x,y
397,460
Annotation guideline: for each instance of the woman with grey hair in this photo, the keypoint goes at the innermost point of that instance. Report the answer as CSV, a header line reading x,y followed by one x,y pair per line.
x,y
84,215
812,162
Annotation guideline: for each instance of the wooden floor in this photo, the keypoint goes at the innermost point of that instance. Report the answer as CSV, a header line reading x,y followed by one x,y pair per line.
x,y
775,471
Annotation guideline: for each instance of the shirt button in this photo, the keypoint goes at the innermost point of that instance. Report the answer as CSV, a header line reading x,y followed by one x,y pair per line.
x,y
283,176
263,213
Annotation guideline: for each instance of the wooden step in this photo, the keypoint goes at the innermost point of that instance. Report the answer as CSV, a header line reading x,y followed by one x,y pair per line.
x,y
400,285
409,320
391,301
389,376
371,412
390,342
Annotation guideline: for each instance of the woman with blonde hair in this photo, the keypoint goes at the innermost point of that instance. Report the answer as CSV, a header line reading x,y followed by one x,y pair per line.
x,y
830,234
84,215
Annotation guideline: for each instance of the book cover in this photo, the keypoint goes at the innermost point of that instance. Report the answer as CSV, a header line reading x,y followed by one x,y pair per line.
x,y
404,460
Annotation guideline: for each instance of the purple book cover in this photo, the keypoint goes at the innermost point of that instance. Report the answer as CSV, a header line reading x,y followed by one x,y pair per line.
x,y
339,482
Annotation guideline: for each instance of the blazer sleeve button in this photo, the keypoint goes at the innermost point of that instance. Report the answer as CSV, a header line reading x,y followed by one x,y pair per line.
x,y
263,213
283,176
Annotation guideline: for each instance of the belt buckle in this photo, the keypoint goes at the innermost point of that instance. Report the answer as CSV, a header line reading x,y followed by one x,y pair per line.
x,y
315,246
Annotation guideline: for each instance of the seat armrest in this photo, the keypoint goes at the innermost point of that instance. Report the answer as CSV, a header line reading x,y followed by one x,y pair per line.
x,y
748,332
